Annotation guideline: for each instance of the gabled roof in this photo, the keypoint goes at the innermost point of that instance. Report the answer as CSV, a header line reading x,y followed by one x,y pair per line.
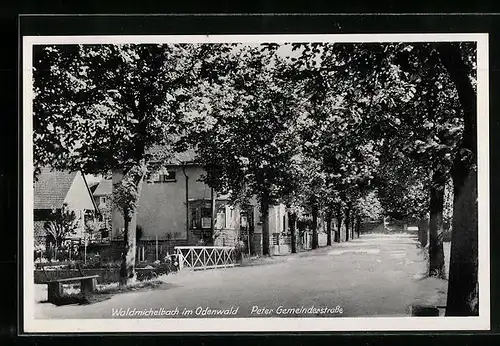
x,y
51,188
104,188
92,187
94,204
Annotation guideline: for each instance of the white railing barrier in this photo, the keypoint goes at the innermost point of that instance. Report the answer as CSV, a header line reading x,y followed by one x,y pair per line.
x,y
205,257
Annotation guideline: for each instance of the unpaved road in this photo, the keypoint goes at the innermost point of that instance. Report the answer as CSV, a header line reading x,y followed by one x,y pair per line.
x,y
375,275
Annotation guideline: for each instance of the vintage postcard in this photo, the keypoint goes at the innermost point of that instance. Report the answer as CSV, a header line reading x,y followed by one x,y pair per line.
x,y
250,183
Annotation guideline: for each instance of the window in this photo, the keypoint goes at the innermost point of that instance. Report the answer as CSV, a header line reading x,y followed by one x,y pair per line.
x,y
167,177
221,219
206,218
103,200
201,217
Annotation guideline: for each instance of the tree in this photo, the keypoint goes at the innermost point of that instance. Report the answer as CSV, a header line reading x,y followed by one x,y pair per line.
x,y
403,190
61,224
395,80
451,147
334,134
406,84
102,108
436,99
370,206
462,299
92,226
251,144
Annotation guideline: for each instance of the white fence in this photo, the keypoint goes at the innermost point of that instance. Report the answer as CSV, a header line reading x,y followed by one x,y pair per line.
x,y
205,257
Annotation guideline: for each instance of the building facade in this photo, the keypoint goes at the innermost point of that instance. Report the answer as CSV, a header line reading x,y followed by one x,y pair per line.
x,y
55,191
175,208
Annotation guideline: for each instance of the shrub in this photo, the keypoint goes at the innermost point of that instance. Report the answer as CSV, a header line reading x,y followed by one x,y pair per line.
x,y
151,273
240,249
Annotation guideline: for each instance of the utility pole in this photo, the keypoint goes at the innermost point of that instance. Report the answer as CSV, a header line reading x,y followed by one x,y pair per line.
x,y
212,205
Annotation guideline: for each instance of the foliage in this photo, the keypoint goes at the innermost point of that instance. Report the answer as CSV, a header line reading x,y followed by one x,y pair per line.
x,y
251,144
92,227
448,202
98,107
101,108
61,224
403,188
391,102
370,206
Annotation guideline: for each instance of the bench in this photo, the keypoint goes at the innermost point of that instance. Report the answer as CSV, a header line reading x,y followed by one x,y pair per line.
x,y
55,287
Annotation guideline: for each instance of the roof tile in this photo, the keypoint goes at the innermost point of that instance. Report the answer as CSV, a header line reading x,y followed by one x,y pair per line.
x,y
51,188
104,188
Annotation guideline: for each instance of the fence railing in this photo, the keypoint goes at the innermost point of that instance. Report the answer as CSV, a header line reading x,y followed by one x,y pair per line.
x,y
205,257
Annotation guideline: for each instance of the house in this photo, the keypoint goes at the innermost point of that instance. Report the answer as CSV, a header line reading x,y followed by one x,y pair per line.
x,y
55,189
102,198
176,208
279,236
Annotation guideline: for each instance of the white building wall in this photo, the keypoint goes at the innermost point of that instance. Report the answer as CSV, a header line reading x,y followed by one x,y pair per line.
x,y
79,199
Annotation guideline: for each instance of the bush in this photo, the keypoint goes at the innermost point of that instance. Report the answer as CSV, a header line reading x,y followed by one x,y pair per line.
x,y
240,249
151,273
98,264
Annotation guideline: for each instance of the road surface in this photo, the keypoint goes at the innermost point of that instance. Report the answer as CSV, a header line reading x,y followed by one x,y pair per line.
x,y
375,275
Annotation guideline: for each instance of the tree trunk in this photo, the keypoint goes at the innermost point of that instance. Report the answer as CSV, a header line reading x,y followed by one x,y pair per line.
x,y
423,230
338,233
314,226
336,230
124,267
129,218
251,231
292,220
436,253
358,225
329,217
462,297
266,250
213,213
353,224
347,223
130,248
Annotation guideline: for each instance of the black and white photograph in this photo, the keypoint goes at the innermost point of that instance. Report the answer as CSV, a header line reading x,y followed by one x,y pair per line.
x,y
255,183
